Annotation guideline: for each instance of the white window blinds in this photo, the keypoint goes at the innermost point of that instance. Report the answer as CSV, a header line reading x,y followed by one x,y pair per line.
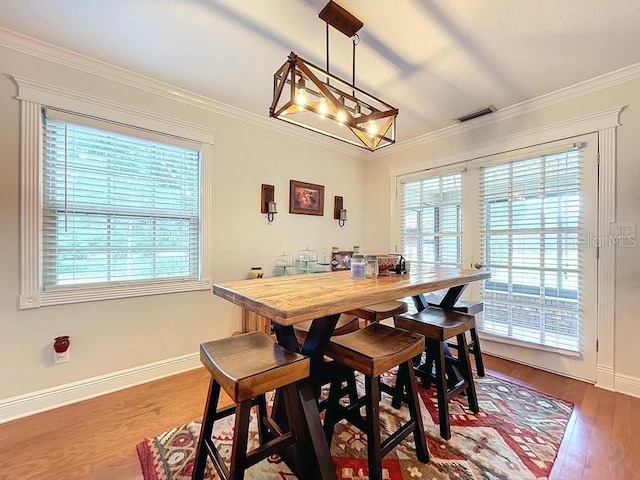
x,y
530,226
119,204
431,220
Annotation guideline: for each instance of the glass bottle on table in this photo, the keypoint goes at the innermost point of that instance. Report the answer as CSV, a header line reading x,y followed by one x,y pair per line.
x,y
371,268
358,266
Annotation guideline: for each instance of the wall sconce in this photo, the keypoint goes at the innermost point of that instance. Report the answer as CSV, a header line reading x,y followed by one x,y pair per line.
x,y
267,202
339,212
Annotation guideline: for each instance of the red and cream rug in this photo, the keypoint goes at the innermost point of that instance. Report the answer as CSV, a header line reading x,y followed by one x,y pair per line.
x,y
515,436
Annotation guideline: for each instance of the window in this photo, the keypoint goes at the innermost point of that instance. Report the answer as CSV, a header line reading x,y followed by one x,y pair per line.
x,y
115,203
530,232
117,207
526,216
431,220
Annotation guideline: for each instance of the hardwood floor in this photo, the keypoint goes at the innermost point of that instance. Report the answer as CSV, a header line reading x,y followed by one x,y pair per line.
x,y
95,439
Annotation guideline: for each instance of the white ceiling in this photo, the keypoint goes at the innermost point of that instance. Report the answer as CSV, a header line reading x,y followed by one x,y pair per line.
x,y
434,60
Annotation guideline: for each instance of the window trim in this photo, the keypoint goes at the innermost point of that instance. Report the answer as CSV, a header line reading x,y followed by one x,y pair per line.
x,y
33,96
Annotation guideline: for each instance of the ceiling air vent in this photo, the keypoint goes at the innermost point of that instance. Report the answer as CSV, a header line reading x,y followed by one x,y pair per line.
x,y
476,114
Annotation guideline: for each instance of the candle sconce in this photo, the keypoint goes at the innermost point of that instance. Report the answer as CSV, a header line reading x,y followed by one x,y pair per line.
x,y
267,201
339,212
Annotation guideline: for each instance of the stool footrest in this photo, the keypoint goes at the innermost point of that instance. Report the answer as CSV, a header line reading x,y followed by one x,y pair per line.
x,y
393,440
218,461
267,449
352,413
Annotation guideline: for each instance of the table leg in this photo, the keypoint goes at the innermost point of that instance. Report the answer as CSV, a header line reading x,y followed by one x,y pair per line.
x,y
446,303
314,449
317,340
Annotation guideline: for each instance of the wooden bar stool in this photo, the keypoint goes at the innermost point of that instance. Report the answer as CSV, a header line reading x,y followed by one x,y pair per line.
x,y
470,308
438,326
246,367
380,311
372,351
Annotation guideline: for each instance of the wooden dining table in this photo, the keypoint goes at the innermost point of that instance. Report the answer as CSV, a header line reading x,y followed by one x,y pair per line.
x,y
322,297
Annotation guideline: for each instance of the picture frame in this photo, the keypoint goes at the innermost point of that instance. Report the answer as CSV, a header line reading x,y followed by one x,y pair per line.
x,y
341,260
306,198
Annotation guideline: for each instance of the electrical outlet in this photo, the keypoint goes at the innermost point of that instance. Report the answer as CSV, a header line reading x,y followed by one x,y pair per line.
x,y
61,357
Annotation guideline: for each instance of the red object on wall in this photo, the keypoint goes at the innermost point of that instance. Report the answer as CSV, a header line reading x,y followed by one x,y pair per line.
x,y
61,344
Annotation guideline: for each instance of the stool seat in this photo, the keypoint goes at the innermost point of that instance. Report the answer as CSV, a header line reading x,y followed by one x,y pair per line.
x,y
346,324
436,323
375,349
251,364
380,311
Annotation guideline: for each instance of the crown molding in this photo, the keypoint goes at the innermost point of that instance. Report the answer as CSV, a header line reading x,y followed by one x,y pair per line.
x,y
595,84
49,52
577,126
52,53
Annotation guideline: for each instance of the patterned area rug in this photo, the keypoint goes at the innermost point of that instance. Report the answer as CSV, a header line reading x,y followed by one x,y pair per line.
x,y
515,436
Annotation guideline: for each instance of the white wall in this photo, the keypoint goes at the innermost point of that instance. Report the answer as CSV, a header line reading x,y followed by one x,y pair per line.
x,y
627,278
116,335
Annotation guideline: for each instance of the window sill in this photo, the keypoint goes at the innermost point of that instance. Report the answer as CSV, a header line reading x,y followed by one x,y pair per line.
x,y
79,294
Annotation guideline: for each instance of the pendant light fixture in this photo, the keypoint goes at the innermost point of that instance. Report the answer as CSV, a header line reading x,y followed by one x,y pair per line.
x,y
313,98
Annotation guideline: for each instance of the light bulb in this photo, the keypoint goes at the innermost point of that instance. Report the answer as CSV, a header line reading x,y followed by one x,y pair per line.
x,y
323,108
372,128
301,96
301,92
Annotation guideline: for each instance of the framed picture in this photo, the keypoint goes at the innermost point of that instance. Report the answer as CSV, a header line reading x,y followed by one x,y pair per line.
x,y
341,260
306,198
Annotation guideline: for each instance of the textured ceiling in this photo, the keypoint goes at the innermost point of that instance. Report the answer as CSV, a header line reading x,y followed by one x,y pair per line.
x,y
434,60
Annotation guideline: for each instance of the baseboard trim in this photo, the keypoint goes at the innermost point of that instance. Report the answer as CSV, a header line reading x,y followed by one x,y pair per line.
x,y
605,378
628,385
35,402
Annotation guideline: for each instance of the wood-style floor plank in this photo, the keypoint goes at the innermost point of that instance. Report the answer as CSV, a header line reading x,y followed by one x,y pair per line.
x,y
96,439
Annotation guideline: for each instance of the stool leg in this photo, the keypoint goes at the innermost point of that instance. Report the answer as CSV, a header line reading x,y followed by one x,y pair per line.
x,y
263,432
206,429
240,439
402,381
437,349
352,388
419,435
333,404
425,370
465,367
477,352
374,452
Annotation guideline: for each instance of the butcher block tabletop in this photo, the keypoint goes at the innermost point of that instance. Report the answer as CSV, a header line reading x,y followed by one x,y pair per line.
x,y
295,298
